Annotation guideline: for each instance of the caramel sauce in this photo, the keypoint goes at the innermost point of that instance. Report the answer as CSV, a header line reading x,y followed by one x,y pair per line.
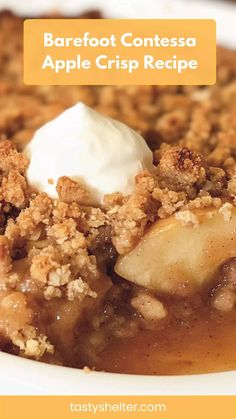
x,y
205,342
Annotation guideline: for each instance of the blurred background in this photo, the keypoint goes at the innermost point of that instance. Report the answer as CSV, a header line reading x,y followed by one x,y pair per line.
x,y
223,11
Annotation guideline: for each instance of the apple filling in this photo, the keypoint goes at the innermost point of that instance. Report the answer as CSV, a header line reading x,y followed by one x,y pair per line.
x,y
181,254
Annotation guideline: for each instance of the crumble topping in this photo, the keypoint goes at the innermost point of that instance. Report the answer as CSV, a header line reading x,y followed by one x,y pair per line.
x,y
226,210
180,168
70,191
78,288
187,218
31,344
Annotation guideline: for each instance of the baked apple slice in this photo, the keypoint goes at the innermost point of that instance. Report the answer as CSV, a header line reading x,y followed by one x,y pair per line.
x,y
181,254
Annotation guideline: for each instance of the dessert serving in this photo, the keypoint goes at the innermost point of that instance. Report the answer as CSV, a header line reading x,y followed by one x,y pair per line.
x,y
118,221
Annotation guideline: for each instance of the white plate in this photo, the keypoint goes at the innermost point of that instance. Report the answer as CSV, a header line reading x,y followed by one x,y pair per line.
x,y
21,376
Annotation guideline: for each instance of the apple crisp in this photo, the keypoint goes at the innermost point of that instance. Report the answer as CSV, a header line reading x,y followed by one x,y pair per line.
x,y
78,281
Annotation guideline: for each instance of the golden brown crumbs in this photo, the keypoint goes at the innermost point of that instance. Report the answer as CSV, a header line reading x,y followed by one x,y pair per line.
x,y
11,159
180,168
71,191
226,211
14,189
5,256
187,218
77,289
129,220
30,344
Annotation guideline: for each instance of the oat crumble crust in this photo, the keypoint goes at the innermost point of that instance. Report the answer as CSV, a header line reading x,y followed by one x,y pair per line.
x,y
57,253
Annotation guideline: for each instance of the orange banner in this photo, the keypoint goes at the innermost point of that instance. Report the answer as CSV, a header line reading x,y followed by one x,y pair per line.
x,y
119,51
139,407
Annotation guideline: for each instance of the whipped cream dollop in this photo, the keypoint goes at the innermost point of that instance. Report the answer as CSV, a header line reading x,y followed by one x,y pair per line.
x,y
102,153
